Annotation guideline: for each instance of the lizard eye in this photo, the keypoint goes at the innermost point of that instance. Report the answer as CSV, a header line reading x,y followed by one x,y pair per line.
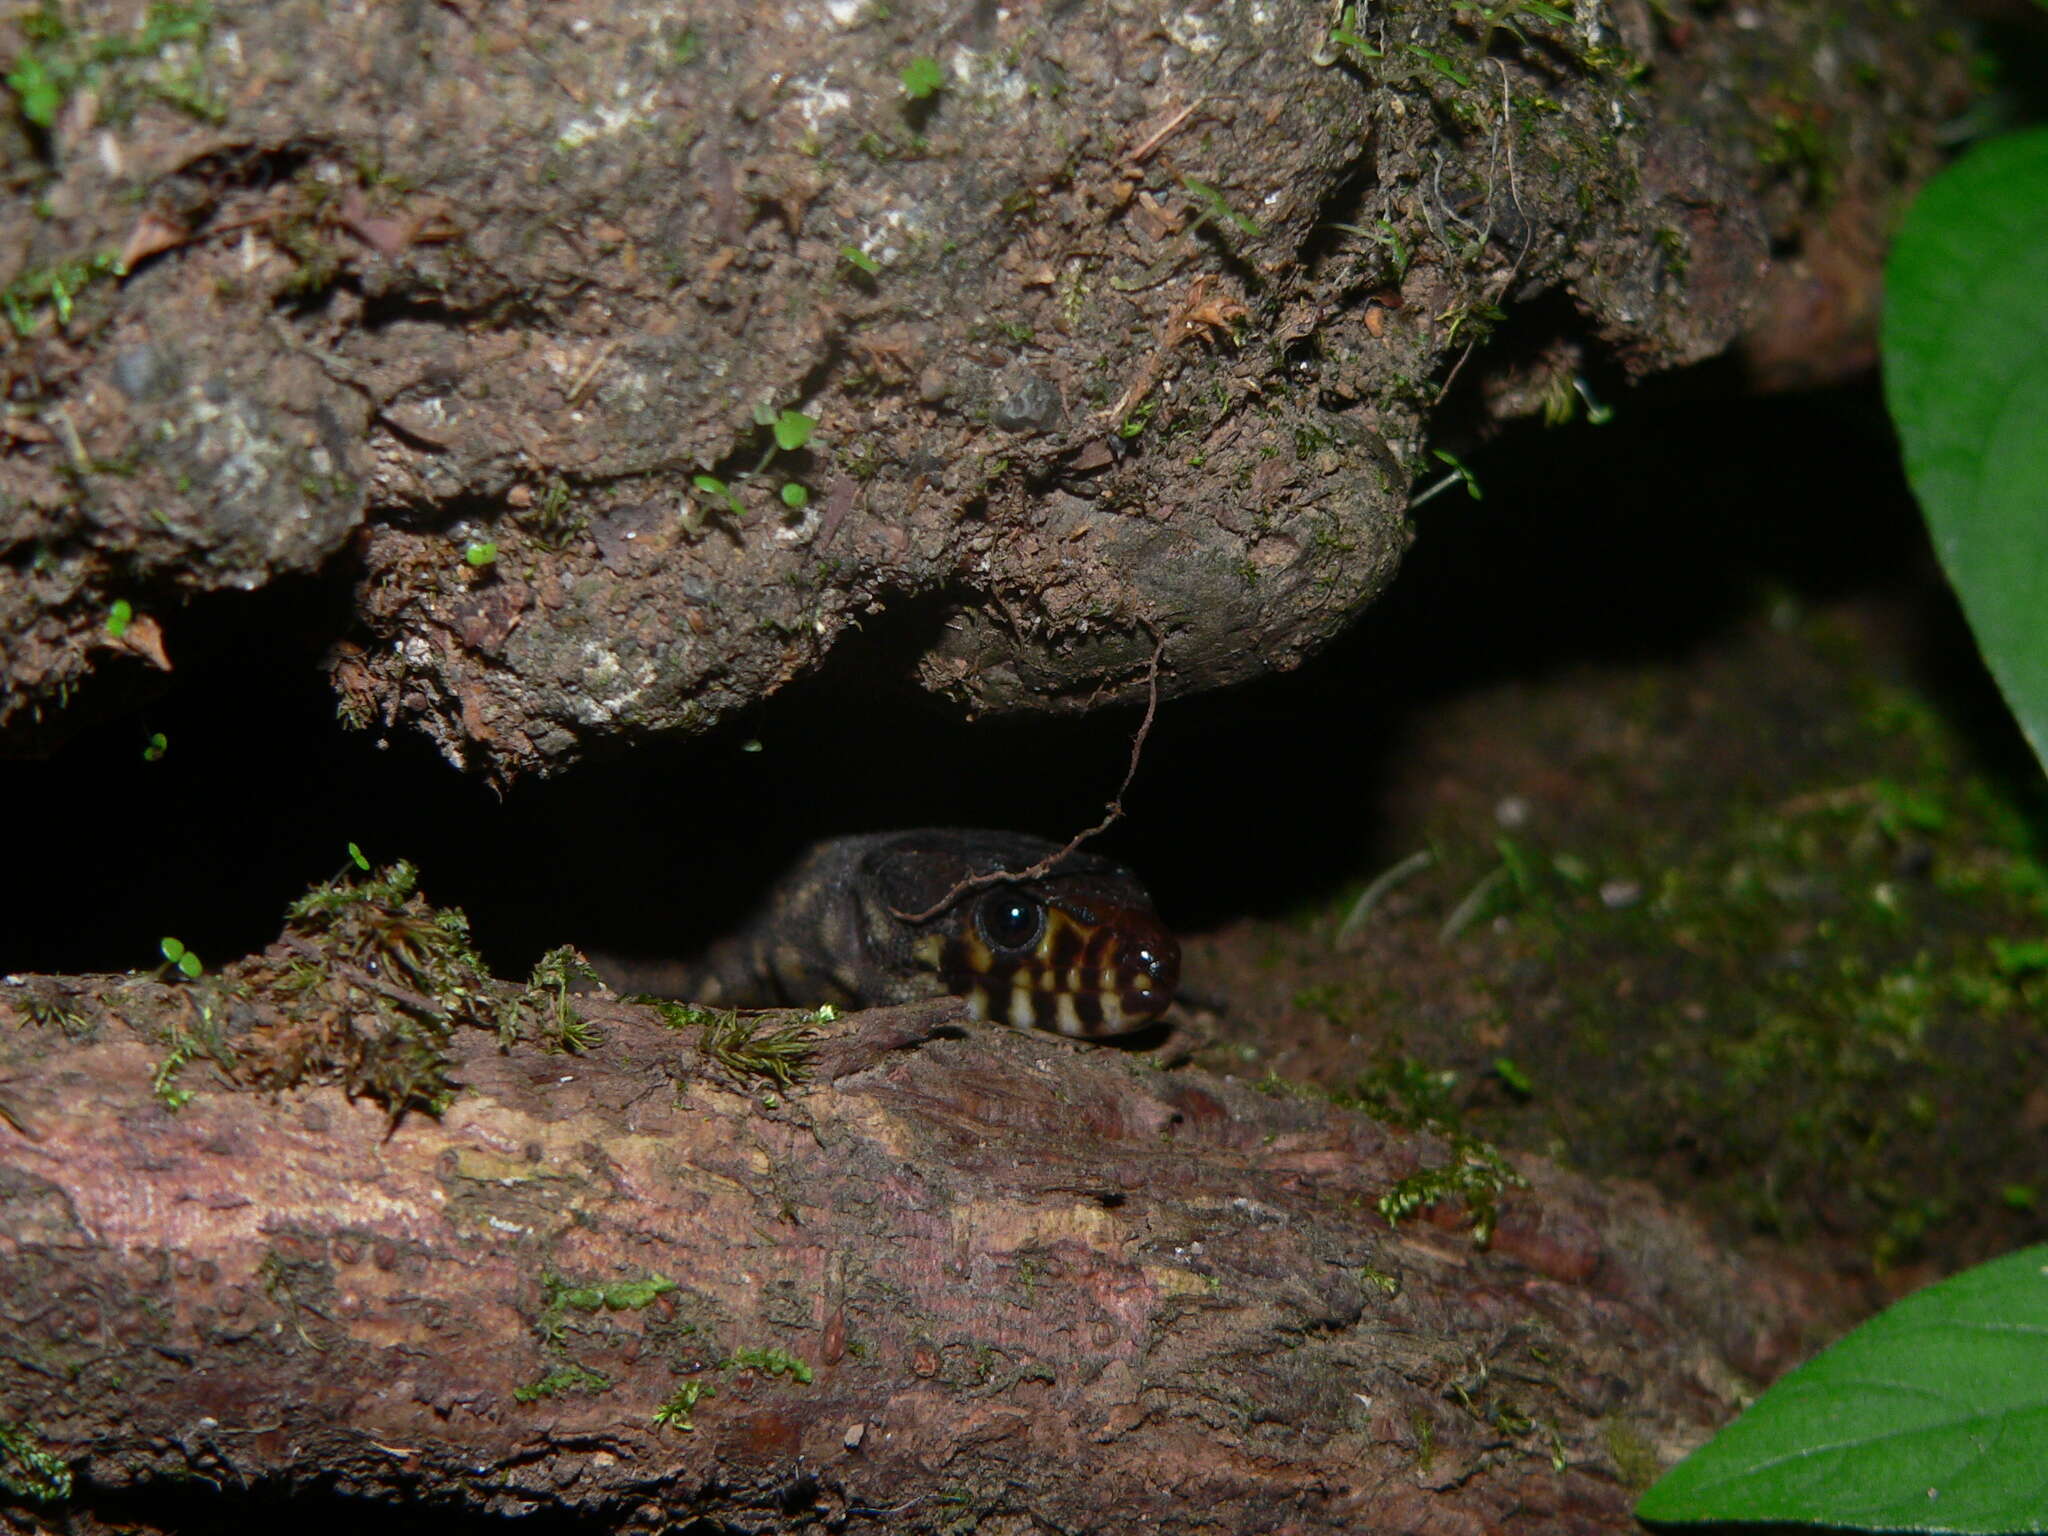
x,y
1009,919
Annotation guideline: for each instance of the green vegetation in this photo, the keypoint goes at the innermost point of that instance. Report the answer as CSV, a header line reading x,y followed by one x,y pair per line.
x,y
562,1027
383,980
53,290
162,1082
27,1471
922,77
559,1297
767,1047
154,749
554,520
181,959
119,616
789,431
768,1362
1966,378
1404,1092
58,60
619,1296
1214,206
1889,1428
480,553
561,1380
676,1411
859,260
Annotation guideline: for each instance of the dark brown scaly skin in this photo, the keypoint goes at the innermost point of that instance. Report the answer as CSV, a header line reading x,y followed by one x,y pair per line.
x,y
1078,950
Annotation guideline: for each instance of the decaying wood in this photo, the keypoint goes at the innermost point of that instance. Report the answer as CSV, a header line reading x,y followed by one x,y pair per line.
x,y
962,1278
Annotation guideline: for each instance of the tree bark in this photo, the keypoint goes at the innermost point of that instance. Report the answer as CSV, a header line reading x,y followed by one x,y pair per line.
x,y
958,1272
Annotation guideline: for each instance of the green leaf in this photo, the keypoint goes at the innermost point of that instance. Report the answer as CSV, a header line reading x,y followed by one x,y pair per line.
x,y
854,256
481,553
711,485
922,77
38,90
119,617
795,495
173,950
1966,377
158,745
793,430
1932,1416
357,857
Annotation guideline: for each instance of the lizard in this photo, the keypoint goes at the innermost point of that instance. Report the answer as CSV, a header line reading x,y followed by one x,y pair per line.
x,y
895,917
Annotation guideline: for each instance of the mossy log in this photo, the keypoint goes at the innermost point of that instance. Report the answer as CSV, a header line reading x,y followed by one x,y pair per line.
x,y
955,1275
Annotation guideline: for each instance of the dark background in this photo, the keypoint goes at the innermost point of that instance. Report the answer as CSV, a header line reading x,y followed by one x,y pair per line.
x,y
1636,539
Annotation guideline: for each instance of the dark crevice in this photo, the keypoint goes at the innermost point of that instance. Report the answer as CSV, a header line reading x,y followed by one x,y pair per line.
x,y
1341,211
1630,543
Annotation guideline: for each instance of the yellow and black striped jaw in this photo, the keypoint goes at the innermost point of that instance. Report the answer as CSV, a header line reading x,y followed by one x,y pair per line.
x,y
1080,956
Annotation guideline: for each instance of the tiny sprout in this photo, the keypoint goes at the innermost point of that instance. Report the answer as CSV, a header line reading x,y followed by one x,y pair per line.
x,y
793,430
711,485
356,857
922,77
480,553
795,495
181,957
119,617
158,745
1512,1075
753,744
854,256
1596,413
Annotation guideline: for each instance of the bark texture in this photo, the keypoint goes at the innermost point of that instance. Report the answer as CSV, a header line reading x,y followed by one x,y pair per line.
x,y
1116,323
960,1277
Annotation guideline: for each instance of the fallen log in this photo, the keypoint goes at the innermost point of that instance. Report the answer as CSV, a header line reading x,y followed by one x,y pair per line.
x,y
954,1272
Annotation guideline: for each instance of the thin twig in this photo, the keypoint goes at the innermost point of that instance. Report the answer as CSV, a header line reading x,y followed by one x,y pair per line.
x,y
1111,815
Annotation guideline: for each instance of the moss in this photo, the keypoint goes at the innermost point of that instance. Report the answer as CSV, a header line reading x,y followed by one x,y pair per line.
x,y
53,290
770,1361
1635,1459
676,1411
373,981
561,1381
58,60
27,1471
618,1296
764,1047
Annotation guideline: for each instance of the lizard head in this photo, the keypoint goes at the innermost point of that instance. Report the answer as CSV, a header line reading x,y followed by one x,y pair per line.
x,y
1076,949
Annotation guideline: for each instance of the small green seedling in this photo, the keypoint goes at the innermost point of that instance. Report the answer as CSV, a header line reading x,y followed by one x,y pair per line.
x,y
859,260
788,430
712,486
181,957
158,745
480,553
675,1413
1216,206
358,858
792,428
1346,35
119,617
922,77
1458,472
